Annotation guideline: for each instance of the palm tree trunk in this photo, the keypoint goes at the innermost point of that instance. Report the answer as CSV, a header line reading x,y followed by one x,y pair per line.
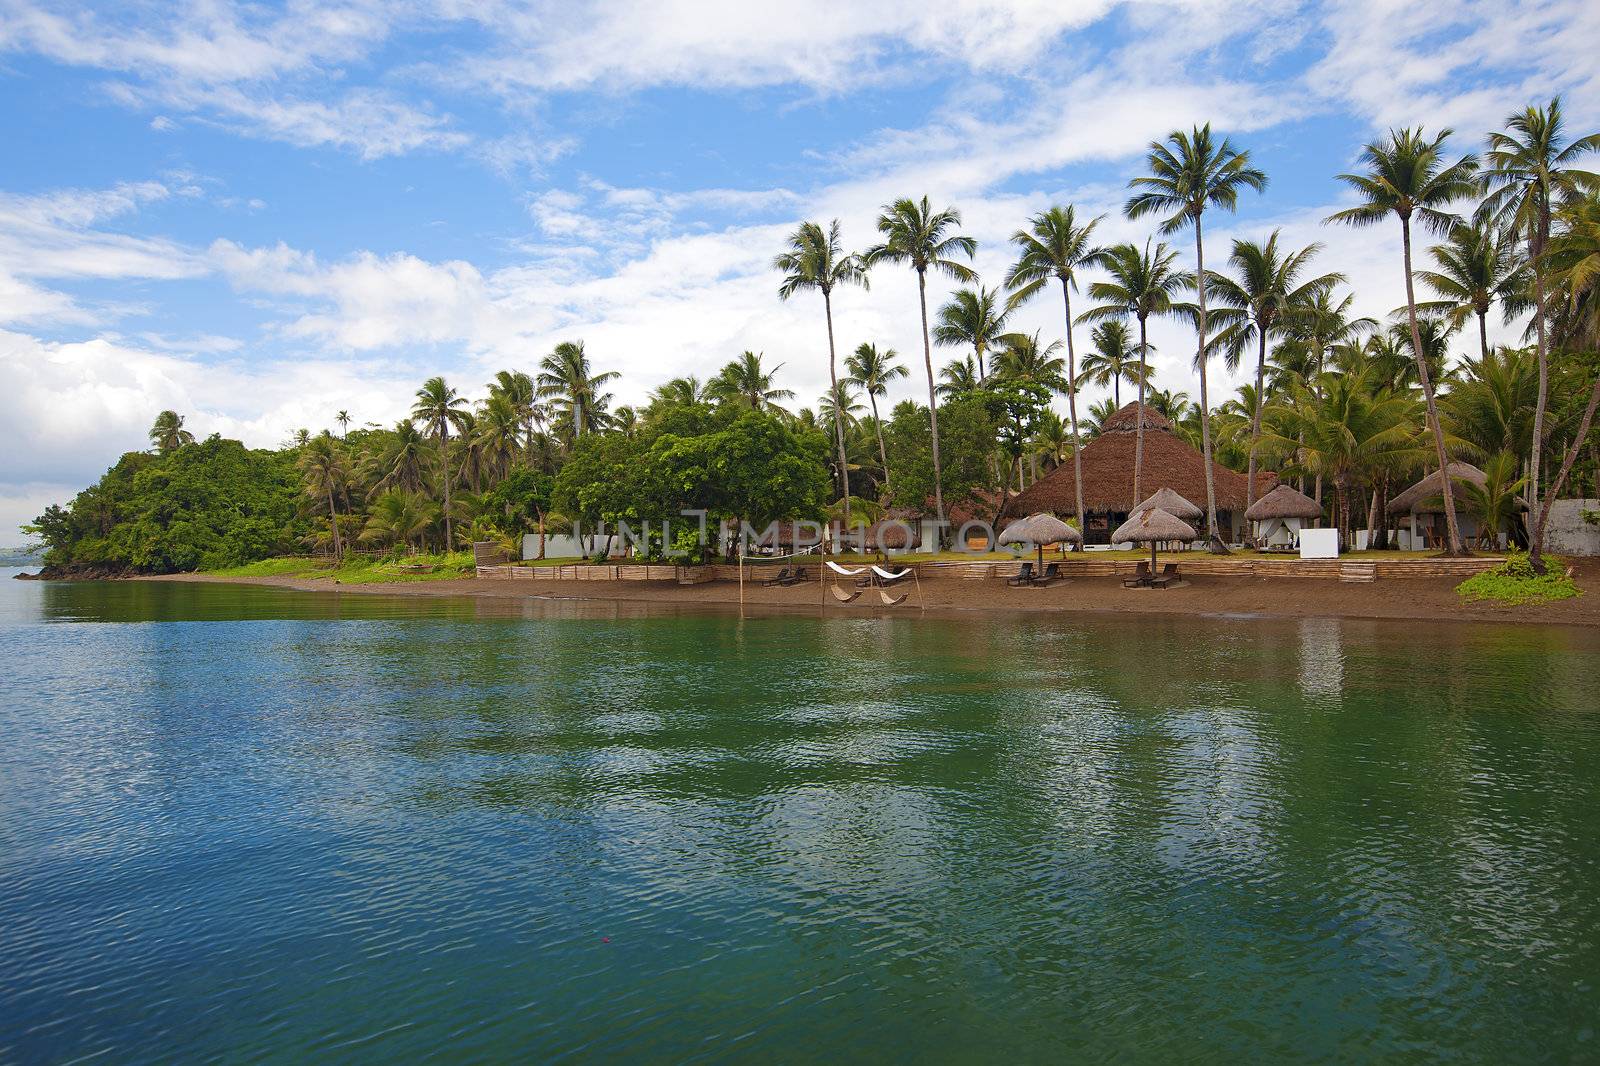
x,y
1205,401
838,415
1072,406
541,534
1536,542
1452,529
1255,418
444,465
1138,424
933,405
1483,334
1116,389
883,453
333,519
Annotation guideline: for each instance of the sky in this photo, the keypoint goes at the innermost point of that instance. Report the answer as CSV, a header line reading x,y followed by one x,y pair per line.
x,y
259,215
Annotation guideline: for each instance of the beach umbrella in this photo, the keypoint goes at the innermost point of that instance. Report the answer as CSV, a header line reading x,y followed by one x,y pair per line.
x,y
1170,502
1039,530
1284,502
1152,525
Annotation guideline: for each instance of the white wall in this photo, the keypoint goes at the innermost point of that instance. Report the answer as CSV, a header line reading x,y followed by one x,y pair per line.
x,y
1568,533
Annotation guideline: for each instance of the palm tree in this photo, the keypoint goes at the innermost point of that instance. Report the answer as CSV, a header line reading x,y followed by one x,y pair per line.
x,y
1315,326
1053,439
872,370
1529,173
168,434
1141,284
1264,296
915,234
439,407
399,464
1490,403
1494,503
959,376
498,433
1477,265
1099,413
746,381
1112,361
326,471
816,260
972,318
566,377
1188,174
399,517
1055,246
626,422
343,418
679,392
1025,360
1407,176
520,393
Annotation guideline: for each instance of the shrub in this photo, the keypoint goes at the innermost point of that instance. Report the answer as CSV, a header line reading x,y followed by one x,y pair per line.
x,y
1514,582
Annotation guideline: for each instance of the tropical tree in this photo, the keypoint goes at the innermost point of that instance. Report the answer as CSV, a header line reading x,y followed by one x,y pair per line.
x,y
746,381
168,434
871,370
1189,173
1099,413
916,235
1140,284
497,433
1529,173
1406,175
1477,265
959,376
1056,246
972,317
1490,402
399,462
439,407
1112,361
686,391
1494,503
1315,326
343,418
325,473
566,378
1264,291
815,259
398,517
1025,358
521,395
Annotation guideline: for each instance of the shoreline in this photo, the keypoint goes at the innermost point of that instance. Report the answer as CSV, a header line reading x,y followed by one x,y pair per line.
x,y
1420,599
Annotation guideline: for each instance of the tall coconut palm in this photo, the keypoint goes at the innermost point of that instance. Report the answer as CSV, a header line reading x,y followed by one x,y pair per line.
x,y
1140,284
343,418
915,234
398,517
439,407
746,381
1026,358
1189,173
1055,245
871,370
1406,175
1264,291
326,472
399,464
168,434
1529,172
1477,265
686,391
1314,327
973,317
1112,360
498,433
815,259
566,377
959,376
521,395
1490,402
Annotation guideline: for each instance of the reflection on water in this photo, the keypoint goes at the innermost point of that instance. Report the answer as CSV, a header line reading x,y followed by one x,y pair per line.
x,y
265,824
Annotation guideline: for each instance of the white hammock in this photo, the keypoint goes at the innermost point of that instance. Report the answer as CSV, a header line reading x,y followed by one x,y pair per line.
x,y
887,576
846,571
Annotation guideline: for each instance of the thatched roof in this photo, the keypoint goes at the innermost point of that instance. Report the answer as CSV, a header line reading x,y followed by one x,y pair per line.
x,y
1285,501
895,532
785,533
1152,524
1427,495
1040,529
1172,503
1169,462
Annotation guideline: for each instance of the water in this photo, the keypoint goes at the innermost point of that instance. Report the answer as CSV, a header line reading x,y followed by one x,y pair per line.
x,y
251,825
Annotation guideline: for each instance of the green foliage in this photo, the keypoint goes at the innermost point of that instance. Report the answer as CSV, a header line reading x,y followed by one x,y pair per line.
x,y
1514,582
199,506
519,503
967,435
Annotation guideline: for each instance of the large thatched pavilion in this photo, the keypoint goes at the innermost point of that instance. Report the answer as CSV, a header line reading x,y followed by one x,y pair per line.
x,y
1169,463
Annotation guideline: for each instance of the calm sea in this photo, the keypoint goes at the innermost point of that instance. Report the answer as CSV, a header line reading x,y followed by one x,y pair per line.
x,y
242,824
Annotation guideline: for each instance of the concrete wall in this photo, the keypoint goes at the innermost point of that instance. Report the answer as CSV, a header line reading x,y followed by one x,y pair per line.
x,y
555,547
1568,533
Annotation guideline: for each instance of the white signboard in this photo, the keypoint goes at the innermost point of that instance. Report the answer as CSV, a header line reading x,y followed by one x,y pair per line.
x,y
1319,544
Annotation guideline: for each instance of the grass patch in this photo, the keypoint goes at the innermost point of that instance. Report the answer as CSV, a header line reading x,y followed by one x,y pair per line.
x,y
287,566
360,569
1514,582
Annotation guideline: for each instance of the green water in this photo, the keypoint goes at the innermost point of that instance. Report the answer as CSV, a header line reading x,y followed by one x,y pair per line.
x,y
241,824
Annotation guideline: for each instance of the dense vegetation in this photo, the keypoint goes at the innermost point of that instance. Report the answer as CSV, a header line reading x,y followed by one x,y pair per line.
x,y
1348,408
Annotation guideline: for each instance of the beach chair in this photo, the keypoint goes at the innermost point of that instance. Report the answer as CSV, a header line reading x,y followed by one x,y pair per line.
x,y
893,601
781,579
1169,574
841,595
1140,578
797,577
1052,573
1023,576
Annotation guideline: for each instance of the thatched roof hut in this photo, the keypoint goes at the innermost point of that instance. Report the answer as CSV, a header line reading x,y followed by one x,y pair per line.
x,y
1170,502
1427,495
1039,530
1285,501
1169,462
1149,526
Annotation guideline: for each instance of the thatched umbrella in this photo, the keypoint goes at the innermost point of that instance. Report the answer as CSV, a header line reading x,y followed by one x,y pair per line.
x,y
1170,502
1150,526
1039,530
1283,502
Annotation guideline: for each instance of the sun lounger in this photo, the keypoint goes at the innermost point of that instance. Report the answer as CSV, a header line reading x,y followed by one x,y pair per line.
x,y
1052,574
1169,574
1140,578
797,577
1023,576
781,579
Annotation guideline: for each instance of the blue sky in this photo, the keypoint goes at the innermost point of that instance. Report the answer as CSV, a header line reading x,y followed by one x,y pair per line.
x,y
260,215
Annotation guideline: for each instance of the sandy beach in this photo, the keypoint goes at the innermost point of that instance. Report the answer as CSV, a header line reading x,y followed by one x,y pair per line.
x,y
1422,599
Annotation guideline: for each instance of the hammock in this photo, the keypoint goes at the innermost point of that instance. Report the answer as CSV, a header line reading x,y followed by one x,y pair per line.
x,y
842,596
892,601
845,570
887,576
